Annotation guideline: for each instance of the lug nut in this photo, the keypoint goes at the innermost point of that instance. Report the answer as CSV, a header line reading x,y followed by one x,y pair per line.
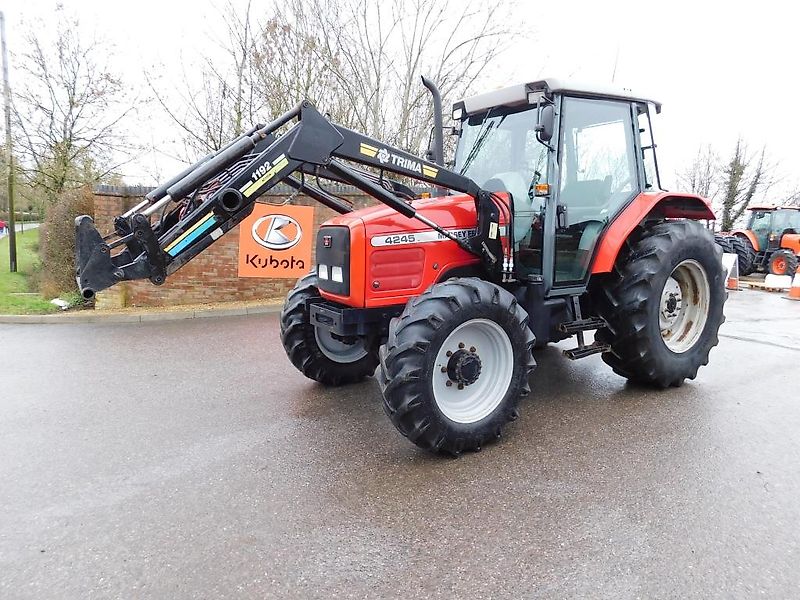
x,y
449,353
449,383
444,369
461,345
472,349
461,386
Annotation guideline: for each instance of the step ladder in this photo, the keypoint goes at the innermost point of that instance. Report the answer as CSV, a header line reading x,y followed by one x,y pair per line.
x,y
578,326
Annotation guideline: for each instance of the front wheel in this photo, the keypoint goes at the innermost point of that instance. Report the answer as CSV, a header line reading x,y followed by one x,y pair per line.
x,y
455,365
663,305
783,262
316,352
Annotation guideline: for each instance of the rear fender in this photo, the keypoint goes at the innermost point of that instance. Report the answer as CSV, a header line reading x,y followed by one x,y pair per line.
x,y
646,205
747,234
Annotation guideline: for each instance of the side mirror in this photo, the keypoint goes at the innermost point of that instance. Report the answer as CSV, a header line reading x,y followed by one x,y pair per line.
x,y
544,127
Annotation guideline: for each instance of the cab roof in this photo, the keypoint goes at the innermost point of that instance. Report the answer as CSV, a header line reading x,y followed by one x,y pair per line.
x,y
517,95
772,207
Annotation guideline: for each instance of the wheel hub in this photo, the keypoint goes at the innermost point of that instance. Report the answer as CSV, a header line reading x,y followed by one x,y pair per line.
x,y
464,367
473,369
337,349
684,307
671,303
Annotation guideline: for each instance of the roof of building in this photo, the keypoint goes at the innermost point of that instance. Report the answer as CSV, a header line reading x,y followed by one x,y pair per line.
x,y
516,95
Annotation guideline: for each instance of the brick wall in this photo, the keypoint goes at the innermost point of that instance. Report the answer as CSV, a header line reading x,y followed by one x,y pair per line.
x,y
211,276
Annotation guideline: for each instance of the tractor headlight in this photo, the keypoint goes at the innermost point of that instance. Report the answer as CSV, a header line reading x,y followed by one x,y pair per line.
x,y
333,259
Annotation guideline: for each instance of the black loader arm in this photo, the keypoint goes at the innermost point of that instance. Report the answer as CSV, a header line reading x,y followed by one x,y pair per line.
x,y
181,218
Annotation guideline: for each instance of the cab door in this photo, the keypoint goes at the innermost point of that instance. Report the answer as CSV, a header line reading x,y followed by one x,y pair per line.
x,y
761,226
598,175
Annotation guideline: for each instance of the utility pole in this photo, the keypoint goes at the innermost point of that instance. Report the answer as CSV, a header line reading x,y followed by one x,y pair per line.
x,y
12,234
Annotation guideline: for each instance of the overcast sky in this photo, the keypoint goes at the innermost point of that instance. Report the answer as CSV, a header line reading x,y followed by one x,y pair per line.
x,y
721,69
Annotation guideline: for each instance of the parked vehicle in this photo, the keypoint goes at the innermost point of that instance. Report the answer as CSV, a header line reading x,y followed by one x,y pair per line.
x,y
770,242
551,223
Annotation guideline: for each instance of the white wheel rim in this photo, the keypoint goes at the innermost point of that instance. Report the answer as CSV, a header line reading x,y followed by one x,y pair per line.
x,y
683,308
475,401
337,350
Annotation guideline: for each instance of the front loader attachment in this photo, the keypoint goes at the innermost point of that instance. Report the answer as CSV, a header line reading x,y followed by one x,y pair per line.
x,y
185,215
96,269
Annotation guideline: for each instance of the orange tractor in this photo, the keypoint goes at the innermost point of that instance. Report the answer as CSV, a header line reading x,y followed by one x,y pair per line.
x,y
770,243
548,223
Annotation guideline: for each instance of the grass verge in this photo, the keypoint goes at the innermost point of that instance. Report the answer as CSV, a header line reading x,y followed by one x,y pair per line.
x,y
16,295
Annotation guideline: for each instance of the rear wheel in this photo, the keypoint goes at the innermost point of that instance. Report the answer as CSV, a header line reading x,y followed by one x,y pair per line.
x,y
663,305
724,242
746,253
316,352
455,365
783,262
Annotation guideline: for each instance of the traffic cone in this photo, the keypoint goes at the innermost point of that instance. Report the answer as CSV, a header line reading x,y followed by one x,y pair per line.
x,y
730,263
794,291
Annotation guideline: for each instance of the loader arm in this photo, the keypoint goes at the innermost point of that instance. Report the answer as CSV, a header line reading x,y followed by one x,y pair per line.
x,y
199,205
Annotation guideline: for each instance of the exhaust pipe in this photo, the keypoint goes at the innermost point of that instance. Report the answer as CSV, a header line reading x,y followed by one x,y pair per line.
x,y
436,153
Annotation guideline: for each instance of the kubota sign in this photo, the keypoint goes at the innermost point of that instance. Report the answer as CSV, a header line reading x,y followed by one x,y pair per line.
x,y
275,241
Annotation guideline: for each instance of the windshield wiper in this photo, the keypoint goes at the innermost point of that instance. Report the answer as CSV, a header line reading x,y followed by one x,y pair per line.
x,y
482,136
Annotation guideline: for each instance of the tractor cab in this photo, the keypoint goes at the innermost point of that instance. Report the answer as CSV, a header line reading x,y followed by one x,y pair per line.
x,y
571,156
769,223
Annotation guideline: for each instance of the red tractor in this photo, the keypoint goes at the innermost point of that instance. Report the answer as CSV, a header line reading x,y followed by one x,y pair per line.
x,y
549,223
770,243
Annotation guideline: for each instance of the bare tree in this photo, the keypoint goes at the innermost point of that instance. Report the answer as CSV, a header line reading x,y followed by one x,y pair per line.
x,y
792,198
744,176
217,101
701,177
357,60
68,107
378,53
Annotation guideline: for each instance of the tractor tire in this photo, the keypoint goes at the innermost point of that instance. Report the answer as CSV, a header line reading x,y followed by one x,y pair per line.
x,y
746,253
455,365
724,242
663,304
783,262
315,352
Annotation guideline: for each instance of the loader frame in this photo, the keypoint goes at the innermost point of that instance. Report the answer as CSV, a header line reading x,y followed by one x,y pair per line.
x,y
218,192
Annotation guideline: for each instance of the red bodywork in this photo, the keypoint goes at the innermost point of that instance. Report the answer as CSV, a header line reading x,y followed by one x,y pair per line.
x,y
391,274
667,204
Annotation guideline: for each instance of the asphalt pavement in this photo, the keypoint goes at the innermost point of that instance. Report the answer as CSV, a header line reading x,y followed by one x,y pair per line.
x,y
188,459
